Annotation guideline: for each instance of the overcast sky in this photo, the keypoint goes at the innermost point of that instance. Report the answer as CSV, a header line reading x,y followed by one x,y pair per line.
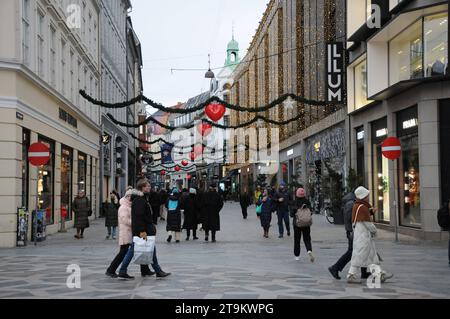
x,y
181,33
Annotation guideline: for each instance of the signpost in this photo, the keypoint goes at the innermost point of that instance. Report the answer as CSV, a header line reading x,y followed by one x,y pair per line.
x,y
38,155
391,149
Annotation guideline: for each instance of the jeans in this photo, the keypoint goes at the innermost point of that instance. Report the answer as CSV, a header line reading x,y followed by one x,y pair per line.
x,y
283,216
144,268
119,258
113,233
306,231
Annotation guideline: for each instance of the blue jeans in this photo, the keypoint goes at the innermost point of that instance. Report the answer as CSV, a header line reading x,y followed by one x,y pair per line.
x,y
113,231
129,256
283,216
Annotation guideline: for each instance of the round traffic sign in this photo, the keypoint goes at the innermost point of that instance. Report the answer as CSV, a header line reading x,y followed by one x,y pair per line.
x,y
391,148
38,154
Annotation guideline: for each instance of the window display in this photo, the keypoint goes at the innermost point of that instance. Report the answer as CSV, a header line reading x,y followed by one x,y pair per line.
x,y
82,171
46,183
66,180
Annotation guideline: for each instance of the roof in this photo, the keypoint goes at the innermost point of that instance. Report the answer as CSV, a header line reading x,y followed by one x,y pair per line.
x,y
196,100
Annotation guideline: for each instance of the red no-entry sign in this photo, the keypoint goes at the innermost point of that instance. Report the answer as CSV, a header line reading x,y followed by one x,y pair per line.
x,y
391,148
38,154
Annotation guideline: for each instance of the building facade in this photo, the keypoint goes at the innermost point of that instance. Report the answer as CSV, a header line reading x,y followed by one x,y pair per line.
x,y
44,61
399,85
287,55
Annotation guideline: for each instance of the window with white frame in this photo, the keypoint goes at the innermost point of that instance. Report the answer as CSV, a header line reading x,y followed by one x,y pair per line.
x,y
40,43
63,66
52,55
421,50
26,31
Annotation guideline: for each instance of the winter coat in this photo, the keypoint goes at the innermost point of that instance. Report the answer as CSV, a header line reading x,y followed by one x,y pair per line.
x,y
141,215
244,200
125,233
267,208
81,208
347,204
191,208
283,206
173,213
212,203
163,196
364,249
154,199
110,212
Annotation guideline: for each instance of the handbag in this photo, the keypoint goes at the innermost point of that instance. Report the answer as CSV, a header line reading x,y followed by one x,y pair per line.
x,y
143,250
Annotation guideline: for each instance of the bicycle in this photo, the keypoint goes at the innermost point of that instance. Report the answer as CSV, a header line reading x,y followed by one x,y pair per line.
x,y
327,212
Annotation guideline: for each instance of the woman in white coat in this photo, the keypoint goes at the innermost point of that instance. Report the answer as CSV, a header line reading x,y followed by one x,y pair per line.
x,y
364,250
125,234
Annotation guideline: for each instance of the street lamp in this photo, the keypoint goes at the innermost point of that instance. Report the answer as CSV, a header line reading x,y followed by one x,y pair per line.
x,y
209,74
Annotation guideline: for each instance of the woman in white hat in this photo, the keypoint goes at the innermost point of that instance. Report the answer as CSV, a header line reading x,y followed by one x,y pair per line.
x,y
364,250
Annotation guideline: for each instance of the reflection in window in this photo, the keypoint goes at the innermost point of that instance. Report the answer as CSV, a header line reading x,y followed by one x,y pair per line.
x,y
436,44
406,55
66,180
45,183
361,84
82,170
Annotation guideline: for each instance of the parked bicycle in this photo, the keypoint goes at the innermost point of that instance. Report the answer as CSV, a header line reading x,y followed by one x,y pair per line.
x,y
327,211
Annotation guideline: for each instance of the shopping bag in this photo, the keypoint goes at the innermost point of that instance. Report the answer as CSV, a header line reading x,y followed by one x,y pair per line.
x,y
143,250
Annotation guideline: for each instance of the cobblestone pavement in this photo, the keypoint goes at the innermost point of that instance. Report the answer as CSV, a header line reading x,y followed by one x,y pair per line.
x,y
241,264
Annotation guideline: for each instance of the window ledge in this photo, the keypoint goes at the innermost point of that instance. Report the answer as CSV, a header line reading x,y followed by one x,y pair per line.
x,y
405,85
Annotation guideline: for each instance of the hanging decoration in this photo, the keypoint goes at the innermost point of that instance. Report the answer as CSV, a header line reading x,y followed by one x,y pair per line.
x,y
163,172
204,129
215,111
184,162
177,168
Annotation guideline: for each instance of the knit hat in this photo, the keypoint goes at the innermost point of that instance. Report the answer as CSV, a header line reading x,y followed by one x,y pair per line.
x,y
192,191
282,183
361,192
300,193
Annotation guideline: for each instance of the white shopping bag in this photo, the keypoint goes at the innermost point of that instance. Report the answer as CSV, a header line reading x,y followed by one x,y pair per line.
x,y
143,250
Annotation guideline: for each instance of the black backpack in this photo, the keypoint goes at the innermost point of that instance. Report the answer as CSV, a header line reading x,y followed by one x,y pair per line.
x,y
443,217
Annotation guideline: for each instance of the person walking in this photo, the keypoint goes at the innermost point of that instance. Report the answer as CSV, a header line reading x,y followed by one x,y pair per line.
x,y
364,251
110,208
174,215
257,194
141,226
282,198
125,235
82,210
213,204
191,208
162,200
268,206
348,201
154,200
302,221
244,201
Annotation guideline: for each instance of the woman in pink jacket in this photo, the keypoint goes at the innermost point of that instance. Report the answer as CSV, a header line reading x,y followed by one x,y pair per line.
x,y
125,235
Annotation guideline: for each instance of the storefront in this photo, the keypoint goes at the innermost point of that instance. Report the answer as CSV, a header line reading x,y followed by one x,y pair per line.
x,y
408,168
66,180
46,180
380,171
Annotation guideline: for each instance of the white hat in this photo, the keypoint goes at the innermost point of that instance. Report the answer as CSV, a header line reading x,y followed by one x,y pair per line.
x,y
361,192
192,191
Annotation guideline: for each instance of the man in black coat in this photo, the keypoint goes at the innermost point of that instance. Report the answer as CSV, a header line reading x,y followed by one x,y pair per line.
x,y
347,202
154,199
213,203
282,198
142,225
244,201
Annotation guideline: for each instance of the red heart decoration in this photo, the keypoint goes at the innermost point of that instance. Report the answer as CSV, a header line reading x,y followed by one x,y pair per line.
x,y
188,176
184,162
215,111
193,156
163,172
177,168
198,150
204,129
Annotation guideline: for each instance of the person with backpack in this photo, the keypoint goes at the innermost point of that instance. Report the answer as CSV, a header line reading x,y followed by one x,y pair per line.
x,y
443,217
174,207
302,221
347,206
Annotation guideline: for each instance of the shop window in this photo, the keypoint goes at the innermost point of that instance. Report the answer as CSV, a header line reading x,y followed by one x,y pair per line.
x,y
46,182
361,85
25,167
66,180
360,159
421,50
82,171
408,166
380,169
